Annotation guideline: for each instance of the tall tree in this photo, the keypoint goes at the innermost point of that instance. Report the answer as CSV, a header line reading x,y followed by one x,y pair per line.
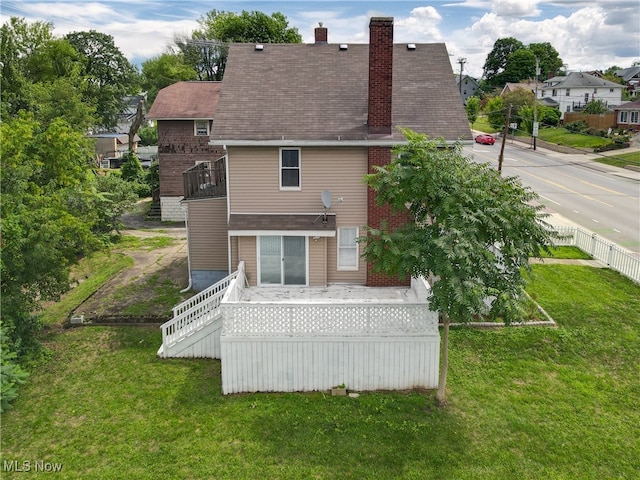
x,y
109,74
207,49
472,108
521,65
461,212
548,58
496,61
164,70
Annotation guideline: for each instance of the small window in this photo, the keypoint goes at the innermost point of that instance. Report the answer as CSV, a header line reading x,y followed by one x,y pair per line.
x,y
634,117
623,117
348,248
201,128
568,92
611,90
290,168
595,90
554,92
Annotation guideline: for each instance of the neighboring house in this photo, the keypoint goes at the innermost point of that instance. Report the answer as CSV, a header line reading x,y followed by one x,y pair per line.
x,y
468,88
276,221
631,78
127,116
573,91
529,86
628,116
184,114
111,147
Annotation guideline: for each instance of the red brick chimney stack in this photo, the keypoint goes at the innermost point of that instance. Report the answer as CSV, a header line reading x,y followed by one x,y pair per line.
x,y
380,75
321,33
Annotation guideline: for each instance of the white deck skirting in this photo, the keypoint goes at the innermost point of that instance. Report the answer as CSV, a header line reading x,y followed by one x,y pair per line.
x,y
303,338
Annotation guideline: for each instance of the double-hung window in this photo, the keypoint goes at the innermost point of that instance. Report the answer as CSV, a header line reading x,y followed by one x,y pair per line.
x,y
623,117
348,248
290,169
634,117
201,128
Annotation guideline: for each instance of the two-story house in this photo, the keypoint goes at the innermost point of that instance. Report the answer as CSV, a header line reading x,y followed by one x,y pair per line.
x,y
573,91
277,224
467,86
184,114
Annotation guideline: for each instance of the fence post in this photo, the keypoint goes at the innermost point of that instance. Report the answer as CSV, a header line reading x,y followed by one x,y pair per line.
x,y
610,256
593,245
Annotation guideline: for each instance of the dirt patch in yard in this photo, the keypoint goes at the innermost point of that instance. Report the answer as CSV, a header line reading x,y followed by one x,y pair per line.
x,y
147,291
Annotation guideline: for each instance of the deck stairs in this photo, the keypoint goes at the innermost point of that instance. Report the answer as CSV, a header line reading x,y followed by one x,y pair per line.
x,y
194,330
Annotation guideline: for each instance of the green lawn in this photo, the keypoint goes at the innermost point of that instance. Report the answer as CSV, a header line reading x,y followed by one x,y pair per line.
x,y
621,160
562,136
525,403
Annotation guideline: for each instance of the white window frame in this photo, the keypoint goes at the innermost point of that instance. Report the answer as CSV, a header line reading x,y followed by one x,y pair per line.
x,y
354,247
299,168
198,130
634,117
623,117
568,92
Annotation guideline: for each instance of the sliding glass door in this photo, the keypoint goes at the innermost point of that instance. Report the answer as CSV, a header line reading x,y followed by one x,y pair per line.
x,y
283,260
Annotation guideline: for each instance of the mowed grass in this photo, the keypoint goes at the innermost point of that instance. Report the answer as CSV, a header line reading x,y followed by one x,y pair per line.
x,y
524,403
561,136
621,160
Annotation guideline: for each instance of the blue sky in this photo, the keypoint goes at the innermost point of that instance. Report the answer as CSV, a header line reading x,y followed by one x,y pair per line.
x,y
587,34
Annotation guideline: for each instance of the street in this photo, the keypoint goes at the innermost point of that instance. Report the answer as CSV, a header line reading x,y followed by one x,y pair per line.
x,y
575,187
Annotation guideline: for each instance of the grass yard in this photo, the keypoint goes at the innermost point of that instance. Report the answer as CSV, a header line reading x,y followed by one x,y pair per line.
x,y
621,160
525,403
562,136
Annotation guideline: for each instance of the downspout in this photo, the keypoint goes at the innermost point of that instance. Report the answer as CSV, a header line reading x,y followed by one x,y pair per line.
x,y
186,229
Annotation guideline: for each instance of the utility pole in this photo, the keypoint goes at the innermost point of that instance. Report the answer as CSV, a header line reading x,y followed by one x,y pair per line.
x,y
461,61
535,106
504,139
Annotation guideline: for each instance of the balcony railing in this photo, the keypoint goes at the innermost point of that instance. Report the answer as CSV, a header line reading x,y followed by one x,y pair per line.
x,y
205,180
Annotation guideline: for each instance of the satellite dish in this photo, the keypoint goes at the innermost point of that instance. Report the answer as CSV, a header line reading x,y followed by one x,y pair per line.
x,y
326,198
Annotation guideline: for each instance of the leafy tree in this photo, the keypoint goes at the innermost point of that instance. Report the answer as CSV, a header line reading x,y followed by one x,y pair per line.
x,y
11,373
115,197
595,107
547,117
548,58
461,211
148,135
496,113
517,98
109,74
473,109
207,48
521,65
43,222
496,61
165,70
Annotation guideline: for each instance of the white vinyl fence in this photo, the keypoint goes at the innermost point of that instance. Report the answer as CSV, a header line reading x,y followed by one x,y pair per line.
x,y
609,253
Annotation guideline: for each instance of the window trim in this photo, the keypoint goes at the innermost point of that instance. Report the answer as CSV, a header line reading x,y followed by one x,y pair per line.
x,y
623,117
634,117
355,247
281,168
195,128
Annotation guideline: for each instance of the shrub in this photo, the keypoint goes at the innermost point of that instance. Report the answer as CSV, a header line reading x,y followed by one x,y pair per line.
x,y
576,127
11,373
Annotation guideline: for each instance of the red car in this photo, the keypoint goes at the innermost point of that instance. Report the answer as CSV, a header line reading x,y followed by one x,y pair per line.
x,y
485,139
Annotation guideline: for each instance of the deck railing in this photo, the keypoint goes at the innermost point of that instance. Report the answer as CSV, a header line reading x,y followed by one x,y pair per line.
x,y
195,312
609,253
205,181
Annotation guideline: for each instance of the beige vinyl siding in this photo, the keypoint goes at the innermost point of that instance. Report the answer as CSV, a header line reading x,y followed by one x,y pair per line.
x,y
234,254
254,188
208,244
247,252
317,262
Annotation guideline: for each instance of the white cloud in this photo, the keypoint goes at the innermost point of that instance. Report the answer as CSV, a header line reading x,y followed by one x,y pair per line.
x,y
515,8
420,26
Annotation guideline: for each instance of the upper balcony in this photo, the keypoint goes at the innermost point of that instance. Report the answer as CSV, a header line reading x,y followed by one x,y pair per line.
x,y
205,180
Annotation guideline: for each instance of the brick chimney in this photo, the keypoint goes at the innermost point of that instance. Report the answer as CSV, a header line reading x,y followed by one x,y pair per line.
x,y
321,33
379,123
380,75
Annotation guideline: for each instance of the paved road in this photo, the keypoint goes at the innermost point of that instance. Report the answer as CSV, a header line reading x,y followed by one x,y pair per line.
x,y
604,200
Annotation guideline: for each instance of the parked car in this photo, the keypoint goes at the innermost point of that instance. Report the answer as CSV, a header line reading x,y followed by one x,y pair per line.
x,y
485,139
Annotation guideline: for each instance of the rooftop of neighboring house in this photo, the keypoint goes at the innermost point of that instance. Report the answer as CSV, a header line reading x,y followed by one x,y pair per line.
x,y
580,79
529,86
628,73
320,92
186,101
635,105
465,78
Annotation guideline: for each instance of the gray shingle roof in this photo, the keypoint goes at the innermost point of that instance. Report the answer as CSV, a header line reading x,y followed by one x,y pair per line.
x,y
185,100
319,92
579,79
